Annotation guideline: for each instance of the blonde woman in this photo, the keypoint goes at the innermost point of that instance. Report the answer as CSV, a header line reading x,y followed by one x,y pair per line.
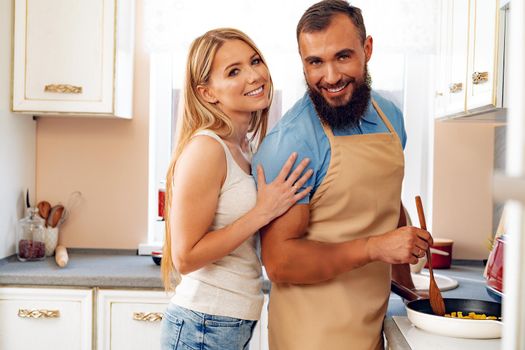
x,y
214,210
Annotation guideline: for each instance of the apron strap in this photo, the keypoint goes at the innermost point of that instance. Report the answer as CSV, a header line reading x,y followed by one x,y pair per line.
x,y
383,117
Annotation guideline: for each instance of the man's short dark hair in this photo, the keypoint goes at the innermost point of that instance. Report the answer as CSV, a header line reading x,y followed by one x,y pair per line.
x,y
318,17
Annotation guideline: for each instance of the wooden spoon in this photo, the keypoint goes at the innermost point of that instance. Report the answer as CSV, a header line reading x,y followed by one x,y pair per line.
x,y
43,210
56,214
436,300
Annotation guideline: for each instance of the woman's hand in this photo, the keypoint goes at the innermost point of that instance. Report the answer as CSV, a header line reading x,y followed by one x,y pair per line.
x,y
275,198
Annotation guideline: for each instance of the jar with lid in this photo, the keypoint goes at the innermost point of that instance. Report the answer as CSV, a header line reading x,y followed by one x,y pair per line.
x,y
30,237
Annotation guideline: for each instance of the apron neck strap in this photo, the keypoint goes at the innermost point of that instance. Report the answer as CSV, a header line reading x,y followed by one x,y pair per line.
x,y
383,117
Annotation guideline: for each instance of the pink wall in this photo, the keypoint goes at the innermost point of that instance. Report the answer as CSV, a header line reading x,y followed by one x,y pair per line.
x,y
106,160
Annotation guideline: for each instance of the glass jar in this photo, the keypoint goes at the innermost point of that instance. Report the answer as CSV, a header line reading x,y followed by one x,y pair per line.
x,y
30,237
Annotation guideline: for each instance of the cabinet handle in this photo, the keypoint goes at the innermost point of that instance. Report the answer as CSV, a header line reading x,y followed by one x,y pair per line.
x,y
63,88
148,316
455,88
480,77
25,313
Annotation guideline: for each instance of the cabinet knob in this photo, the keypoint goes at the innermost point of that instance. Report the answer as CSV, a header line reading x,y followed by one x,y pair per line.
x,y
480,77
148,316
63,88
455,87
25,313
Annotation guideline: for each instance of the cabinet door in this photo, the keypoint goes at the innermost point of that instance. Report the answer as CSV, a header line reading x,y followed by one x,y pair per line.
x,y
481,77
456,53
40,318
67,58
130,319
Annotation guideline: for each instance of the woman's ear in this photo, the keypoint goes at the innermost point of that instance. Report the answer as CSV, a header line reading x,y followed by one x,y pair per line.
x,y
206,94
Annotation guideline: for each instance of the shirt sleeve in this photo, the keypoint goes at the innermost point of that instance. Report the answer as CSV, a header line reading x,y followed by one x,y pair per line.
x,y
275,149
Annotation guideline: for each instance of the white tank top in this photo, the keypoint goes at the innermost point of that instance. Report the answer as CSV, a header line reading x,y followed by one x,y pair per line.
x,y
231,286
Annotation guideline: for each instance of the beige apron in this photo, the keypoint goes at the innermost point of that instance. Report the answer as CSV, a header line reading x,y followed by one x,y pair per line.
x,y
359,196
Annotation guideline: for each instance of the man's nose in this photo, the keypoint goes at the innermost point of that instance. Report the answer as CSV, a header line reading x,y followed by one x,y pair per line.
x,y
332,74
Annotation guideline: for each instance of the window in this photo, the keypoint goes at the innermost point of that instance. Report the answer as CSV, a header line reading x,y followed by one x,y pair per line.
x,y
170,26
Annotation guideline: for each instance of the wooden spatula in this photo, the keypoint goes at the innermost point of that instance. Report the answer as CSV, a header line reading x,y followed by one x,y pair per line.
x,y
436,300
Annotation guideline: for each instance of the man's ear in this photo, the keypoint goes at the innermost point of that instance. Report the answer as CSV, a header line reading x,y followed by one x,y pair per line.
x,y
206,94
368,46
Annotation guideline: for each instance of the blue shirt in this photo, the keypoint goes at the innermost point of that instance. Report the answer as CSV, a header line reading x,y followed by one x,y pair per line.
x,y
300,131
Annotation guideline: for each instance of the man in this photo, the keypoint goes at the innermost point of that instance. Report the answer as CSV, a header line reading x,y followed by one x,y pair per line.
x,y
330,256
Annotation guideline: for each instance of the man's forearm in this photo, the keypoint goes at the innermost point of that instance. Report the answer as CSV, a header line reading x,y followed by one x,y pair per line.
x,y
302,261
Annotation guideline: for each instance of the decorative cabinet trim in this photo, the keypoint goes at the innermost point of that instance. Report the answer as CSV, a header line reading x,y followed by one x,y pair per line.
x,y
42,313
148,316
63,88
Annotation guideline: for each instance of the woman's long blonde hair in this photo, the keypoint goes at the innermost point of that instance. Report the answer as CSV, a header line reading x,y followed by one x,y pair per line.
x,y
198,114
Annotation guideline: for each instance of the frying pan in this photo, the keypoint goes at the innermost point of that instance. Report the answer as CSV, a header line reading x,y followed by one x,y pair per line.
x,y
420,314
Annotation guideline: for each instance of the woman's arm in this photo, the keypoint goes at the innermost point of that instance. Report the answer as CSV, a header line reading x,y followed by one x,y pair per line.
x,y
198,178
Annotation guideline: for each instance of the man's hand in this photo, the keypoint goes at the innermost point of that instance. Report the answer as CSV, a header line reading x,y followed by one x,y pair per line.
x,y
403,245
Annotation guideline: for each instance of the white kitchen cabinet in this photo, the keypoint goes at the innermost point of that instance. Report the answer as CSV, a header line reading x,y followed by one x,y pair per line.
x,y
73,57
46,318
481,80
130,319
467,56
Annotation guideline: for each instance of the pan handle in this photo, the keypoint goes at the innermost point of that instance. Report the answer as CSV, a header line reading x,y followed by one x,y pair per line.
x,y
403,291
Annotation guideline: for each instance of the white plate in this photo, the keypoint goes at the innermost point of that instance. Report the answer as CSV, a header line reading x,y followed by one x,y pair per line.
x,y
422,281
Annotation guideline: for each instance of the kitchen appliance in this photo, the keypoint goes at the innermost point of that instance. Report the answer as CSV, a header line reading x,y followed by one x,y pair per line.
x,y
421,315
494,270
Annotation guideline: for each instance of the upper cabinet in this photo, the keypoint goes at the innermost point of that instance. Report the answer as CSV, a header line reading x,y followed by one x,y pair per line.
x,y
467,56
73,57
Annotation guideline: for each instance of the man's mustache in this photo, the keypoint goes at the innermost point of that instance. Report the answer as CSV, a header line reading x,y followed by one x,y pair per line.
x,y
339,83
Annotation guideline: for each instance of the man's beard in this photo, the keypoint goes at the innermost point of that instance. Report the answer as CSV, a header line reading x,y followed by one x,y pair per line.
x,y
348,115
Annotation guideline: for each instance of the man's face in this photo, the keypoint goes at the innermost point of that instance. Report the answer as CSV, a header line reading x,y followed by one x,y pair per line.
x,y
334,60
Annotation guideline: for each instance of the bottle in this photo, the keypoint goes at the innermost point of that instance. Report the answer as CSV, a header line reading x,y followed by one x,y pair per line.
x,y
30,237
161,200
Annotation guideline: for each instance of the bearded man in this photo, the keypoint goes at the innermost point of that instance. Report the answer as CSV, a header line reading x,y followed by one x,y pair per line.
x,y
331,257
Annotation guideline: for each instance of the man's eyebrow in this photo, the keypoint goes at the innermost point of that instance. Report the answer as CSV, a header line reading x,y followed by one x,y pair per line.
x,y
310,59
344,52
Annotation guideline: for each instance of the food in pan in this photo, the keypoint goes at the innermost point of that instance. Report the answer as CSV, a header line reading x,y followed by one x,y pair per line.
x,y
470,316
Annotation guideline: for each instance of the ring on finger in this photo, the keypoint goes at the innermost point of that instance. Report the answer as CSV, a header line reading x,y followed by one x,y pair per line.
x,y
295,187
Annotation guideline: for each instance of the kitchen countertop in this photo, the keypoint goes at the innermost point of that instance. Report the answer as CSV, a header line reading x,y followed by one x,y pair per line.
x,y
102,268
88,268
468,273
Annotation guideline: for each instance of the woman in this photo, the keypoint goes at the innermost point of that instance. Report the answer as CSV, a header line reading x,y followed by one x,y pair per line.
x,y
214,210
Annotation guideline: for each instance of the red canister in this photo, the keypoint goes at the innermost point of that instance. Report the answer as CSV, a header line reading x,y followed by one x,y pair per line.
x,y
442,261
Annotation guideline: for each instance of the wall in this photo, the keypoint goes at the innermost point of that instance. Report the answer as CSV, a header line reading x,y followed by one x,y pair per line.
x,y
464,159
107,161
17,144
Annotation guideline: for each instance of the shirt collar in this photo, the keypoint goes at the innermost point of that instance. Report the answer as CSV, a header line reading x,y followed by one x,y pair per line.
x,y
370,115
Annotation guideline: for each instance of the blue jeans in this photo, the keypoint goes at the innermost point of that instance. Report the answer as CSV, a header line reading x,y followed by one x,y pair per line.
x,y
184,329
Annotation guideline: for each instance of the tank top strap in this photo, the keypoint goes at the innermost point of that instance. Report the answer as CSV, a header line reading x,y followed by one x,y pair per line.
x,y
213,135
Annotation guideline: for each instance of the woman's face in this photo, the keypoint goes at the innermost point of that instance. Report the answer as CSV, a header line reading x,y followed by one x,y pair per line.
x,y
239,80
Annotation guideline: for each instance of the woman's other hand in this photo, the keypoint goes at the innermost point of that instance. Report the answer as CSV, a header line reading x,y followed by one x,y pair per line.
x,y
275,198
